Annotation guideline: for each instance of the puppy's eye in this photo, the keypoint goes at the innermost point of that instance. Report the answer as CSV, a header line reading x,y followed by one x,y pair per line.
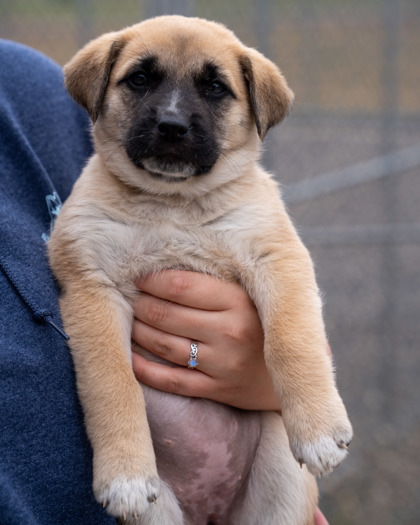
x,y
138,79
216,89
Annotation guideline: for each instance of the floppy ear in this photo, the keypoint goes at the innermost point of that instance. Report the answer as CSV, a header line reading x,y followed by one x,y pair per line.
x,y
87,74
270,97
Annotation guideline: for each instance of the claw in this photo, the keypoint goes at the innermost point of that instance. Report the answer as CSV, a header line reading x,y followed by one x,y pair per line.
x,y
152,499
343,445
300,462
104,504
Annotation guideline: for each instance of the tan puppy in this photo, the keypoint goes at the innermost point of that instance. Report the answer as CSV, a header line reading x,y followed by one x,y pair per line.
x,y
179,107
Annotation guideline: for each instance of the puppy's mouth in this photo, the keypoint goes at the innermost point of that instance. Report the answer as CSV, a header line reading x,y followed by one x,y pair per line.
x,y
169,168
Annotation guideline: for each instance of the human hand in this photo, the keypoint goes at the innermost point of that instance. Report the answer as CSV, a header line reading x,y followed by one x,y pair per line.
x,y
178,307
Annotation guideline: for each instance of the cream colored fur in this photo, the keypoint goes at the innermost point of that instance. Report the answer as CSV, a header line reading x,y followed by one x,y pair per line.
x,y
120,223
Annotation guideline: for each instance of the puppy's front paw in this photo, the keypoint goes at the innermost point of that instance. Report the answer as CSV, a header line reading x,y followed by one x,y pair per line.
x,y
128,497
322,455
321,440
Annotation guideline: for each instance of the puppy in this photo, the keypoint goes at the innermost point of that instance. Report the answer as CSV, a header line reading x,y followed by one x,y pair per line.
x,y
179,107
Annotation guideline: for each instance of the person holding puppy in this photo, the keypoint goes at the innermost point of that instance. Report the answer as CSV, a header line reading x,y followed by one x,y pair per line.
x,y
45,458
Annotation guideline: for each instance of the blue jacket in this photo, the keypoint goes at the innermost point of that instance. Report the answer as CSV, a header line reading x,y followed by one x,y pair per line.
x,y
45,457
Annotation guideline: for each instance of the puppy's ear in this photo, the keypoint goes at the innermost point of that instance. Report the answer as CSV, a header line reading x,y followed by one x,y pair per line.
x,y
270,97
87,74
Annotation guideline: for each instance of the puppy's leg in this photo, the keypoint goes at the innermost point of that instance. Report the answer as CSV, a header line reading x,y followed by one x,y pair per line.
x,y
278,491
98,321
295,349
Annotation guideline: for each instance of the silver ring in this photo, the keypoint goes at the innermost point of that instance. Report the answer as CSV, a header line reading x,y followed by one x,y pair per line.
x,y
193,360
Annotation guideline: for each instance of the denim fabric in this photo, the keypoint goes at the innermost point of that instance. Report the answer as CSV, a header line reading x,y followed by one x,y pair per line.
x,y
45,457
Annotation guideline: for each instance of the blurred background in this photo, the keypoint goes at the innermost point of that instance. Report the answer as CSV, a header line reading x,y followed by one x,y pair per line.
x,y
348,158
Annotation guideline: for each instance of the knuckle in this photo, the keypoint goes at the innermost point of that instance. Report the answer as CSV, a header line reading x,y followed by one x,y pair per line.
x,y
173,384
238,366
178,285
162,348
157,312
237,332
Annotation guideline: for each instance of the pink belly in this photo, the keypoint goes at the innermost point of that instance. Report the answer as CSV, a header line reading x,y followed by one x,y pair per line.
x,y
204,452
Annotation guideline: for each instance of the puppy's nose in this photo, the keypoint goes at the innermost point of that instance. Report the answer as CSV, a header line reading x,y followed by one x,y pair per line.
x,y
172,130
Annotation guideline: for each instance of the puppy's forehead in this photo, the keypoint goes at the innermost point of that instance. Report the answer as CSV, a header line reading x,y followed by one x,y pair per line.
x,y
181,46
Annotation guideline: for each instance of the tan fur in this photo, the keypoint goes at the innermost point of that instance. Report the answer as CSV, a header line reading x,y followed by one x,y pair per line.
x,y
120,223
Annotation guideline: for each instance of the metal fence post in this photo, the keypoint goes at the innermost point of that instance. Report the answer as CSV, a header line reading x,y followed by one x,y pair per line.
x,y
388,276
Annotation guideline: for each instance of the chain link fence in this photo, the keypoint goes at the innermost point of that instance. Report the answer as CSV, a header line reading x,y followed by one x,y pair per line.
x,y
349,161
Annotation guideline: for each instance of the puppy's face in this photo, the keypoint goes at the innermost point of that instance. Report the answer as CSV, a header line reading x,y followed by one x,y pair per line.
x,y
176,100
174,107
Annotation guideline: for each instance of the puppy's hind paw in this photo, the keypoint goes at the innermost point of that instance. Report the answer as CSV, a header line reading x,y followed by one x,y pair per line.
x,y
124,497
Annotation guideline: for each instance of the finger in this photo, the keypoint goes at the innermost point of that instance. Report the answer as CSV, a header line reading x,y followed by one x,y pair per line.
x,y
192,289
320,518
180,381
172,348
176,319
